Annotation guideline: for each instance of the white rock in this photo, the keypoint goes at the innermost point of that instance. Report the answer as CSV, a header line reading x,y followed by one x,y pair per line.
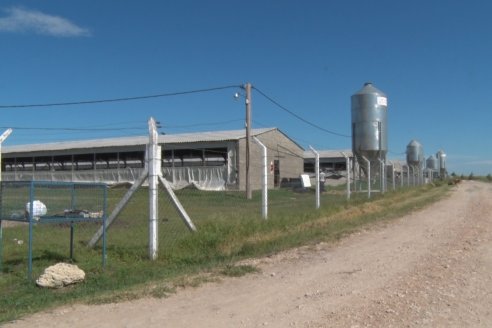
x,y
60,275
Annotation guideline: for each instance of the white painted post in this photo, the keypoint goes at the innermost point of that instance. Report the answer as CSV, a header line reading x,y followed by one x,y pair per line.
x,y
177,204
413,175
154,168
120,206
264,207
2,139
4,136
393,175
408,176
368,176
382,174
347,165
316,170
401,175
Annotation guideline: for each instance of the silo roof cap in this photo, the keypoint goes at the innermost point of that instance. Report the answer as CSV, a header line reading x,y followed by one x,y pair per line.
x,y
369,88
414,143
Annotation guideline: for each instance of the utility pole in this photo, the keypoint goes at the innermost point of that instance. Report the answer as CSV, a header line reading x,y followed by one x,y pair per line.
x,y
247,88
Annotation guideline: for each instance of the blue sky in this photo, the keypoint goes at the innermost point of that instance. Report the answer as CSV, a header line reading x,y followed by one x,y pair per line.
x,y
431,58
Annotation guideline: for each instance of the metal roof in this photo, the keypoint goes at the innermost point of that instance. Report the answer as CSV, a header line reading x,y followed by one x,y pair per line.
x,y
210,136
308,154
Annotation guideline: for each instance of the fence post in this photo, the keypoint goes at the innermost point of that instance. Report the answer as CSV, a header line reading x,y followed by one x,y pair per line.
x,y
382,173
2,138
152,179
393,175
413,174
368,176
402,176
264,189
409,178
119,207
316,170
105,216
31,217
347,165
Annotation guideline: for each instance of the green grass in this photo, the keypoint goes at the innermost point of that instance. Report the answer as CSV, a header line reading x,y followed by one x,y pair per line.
x,y
230,228
238,270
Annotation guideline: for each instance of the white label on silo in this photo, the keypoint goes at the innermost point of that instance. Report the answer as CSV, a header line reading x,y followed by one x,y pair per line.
x,y
382,101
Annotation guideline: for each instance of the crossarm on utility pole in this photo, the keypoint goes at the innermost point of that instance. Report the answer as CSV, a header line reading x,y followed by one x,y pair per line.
x,y
120,206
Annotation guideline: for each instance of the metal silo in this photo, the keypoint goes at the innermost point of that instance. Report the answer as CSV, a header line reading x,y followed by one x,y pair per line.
x,y
415,153
416,161
370,132
431,163
369,123
441,161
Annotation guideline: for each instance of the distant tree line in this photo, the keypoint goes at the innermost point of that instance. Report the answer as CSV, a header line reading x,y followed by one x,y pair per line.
x,y
471,176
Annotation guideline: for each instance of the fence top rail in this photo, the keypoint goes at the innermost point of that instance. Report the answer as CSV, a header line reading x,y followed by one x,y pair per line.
x,y
36,183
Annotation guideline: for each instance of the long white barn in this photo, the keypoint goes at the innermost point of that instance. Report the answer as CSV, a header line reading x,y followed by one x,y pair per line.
x,y
212,160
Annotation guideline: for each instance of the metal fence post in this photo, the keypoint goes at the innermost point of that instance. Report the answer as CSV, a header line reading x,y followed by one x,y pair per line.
x,y
105,216
316,170
2,138
347,165
31,213
393,175
368,176
152,179
402,176
264,203
382,173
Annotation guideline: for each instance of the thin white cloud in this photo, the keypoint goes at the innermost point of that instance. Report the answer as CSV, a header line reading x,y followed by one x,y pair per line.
x,y
25,21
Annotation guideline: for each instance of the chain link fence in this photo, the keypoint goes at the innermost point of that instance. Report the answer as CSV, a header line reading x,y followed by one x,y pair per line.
x,y
48,222
291,194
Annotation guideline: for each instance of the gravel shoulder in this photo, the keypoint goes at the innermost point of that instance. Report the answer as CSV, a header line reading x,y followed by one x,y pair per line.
x,y
431,268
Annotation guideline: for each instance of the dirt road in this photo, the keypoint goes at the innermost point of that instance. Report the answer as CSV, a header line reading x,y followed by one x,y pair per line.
x,y
432,268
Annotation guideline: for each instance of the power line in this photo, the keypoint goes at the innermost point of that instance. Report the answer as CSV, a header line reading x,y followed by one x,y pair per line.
x,y
98,101
72,129
202,124
299,117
